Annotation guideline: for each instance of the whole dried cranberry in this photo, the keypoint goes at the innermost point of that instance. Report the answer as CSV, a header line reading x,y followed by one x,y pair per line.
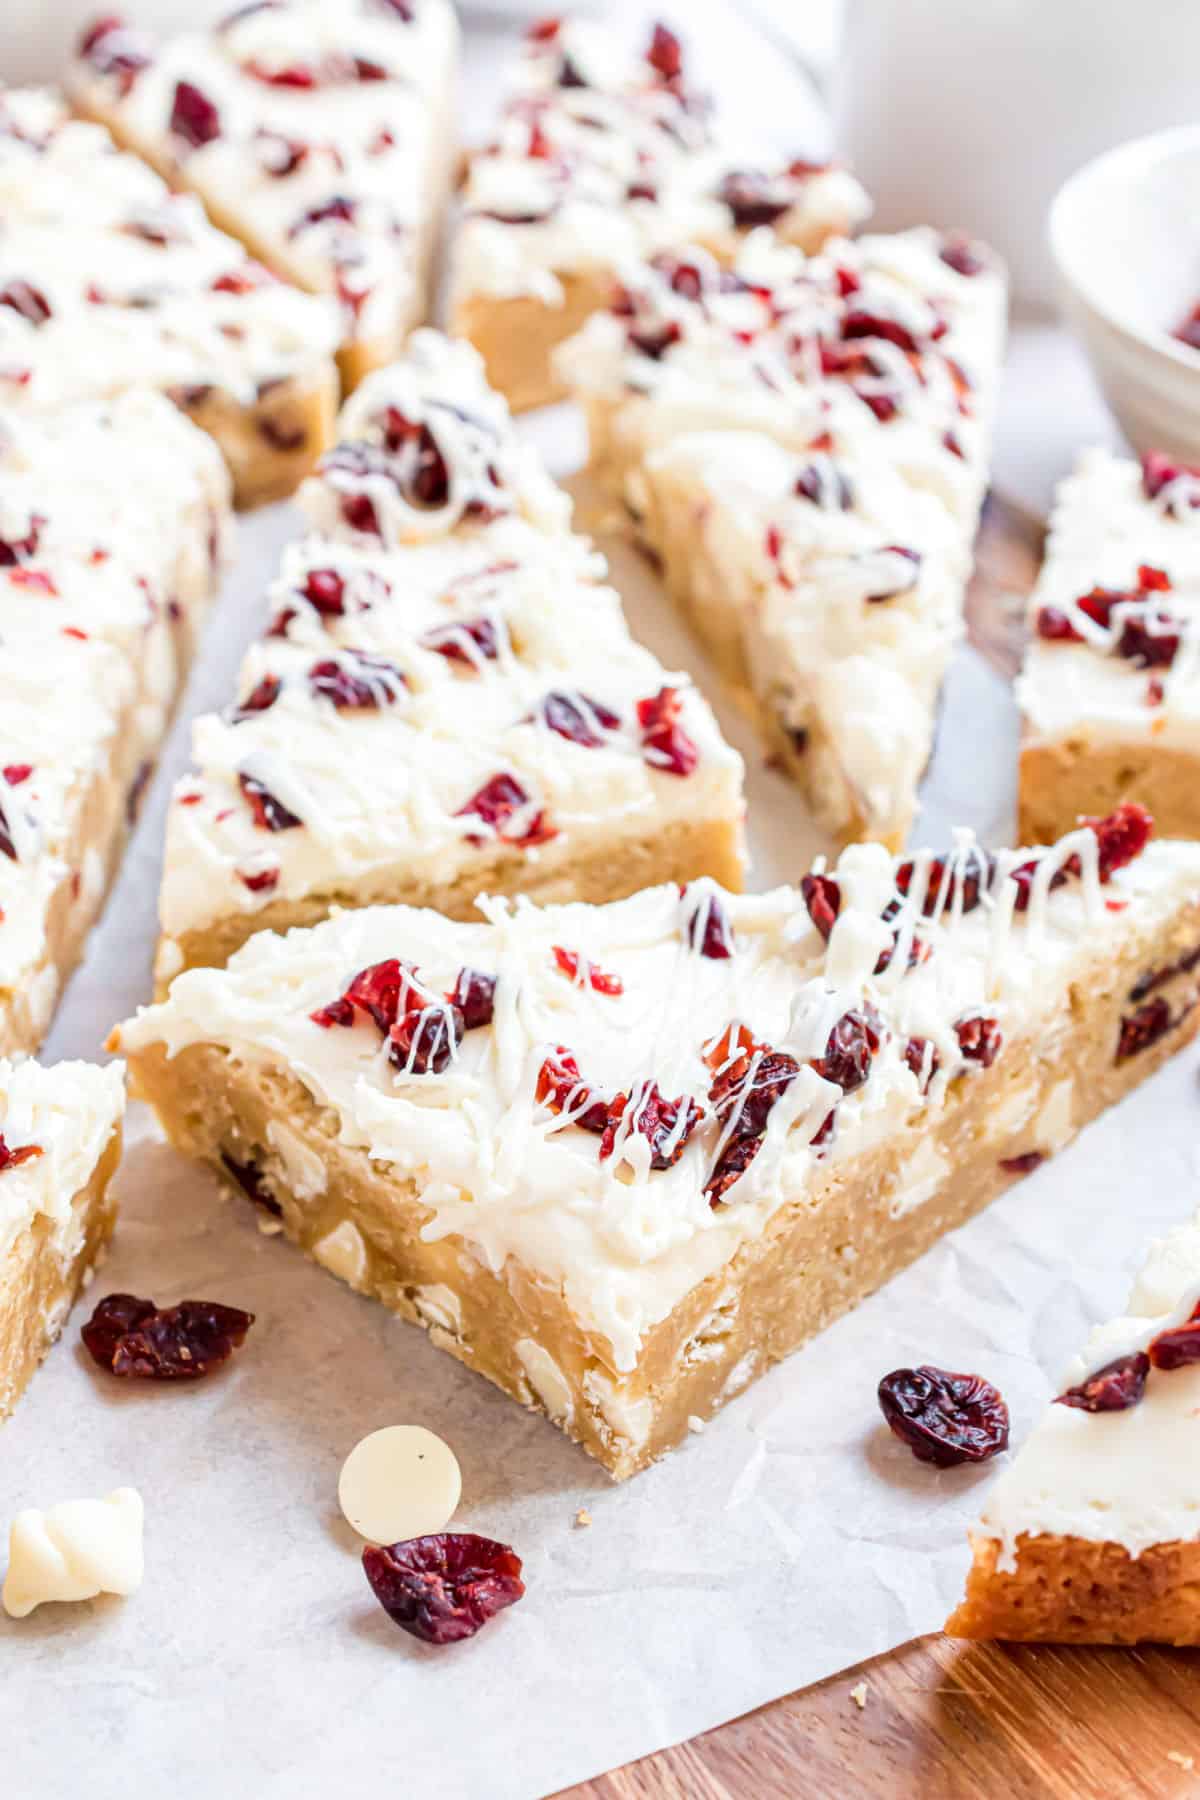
x,y
828,487
665,1124
959,882
654,340
665,744
496,804
749,1083
325,590
1153,978
922,1059
944,1418
469,641
1160,471
425,1040
1143,1028
474,995
730,1166
859,323
114,50
958,253
1123,835
665,54
357,682
753,198
823,898
1117,1385
578,969
270,814
133,1337
561,1087
425,479
576,717
444,1587
708,930
194,118
30,302
850,1050
979,1039
12,1159
16,550
383,991
260,698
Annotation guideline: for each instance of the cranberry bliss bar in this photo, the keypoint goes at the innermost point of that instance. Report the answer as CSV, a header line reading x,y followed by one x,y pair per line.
x,y
620,1159
447,700
1092,1536
108,281
801,443
1110,690
112,521
316,131
601,157
60,1142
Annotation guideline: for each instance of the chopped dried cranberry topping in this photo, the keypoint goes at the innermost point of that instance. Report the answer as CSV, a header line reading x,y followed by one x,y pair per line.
x,y
730,1166
655,341
1142,1029
325,590
829,486
750,1079
1117,1385
278,155
859,323
424,1040
850,1050
497,803
1159,471
665,54
474,995
337,208
261,698
1153,978
960,881
753,198
665,744
576,717
469,641
29,301
356,681
383,990
12,1159
665,1124
823,898
979,1039
1178,1346
114,50
922,1059
133,1337
249,1178
944,1418
15,550
1025,1164
270,814
260,881
16,773
194,118
586,974
958,253
1054,625
444,1587
708,930
7,843
561,1087
1123,835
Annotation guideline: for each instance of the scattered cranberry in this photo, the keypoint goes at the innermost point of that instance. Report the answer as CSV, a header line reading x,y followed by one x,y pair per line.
x,y
655,341
338,209
469,641
979,1039
829,487
194,118
270,814
496,804
260,699
1179,1346
665,1124
1160,471
561,1087
325,591
1117,1385
28,301
12,1159
279,156
944,1418
730,1166
859,323
708,930
444,1587
749,1080
133,1337
958,253
961,881
356,681
262,881
16,773
425,1040
850,1050
114,50
1123,835
1142,1029
1153,978
665,744
665,54
577,718
823,898
383,991
7,843
474,995
578,969
16,550
1024,1164
922,1059
753,198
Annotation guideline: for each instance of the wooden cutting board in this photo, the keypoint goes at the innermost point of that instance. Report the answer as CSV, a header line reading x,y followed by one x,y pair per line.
x,y
940,1720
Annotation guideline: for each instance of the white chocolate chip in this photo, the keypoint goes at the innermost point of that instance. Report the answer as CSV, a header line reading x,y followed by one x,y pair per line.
x,y
74,1551
344,1254
401,1482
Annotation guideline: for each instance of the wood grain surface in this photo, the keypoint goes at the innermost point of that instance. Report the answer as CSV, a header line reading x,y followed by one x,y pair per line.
x,y
941,1720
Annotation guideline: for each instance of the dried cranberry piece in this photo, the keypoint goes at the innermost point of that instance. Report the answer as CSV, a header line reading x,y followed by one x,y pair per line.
x,y
29,301
114,50
8,845
383,990
270,814
576,717
958,253
262,881
850,1049
654,341
1054,625
665,54
426,479
16,773
1113,1388
1178,1346
1024,1164
1143,1028
730,1166
261,698
587,974
496,804
665,744
16,550
1159,471
561,1087
1153,978
754,1078
194,118
338,208
825,487
249,1178
665,1124
12,1159
823,898
444,1587
922,1059
961,882
859,323
944,1418
979,1039
469,641
753,198
325,590
708,931
278,155
357,682
474,995
1122,836
424,1041
133,1337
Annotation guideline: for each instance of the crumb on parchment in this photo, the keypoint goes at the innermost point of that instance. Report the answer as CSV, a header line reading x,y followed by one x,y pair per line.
x,y
859,1695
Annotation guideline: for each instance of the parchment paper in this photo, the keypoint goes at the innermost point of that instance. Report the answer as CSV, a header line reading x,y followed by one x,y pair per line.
x,y
792,1538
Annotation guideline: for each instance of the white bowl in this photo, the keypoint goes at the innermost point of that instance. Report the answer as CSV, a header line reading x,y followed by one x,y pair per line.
x,y
1125,236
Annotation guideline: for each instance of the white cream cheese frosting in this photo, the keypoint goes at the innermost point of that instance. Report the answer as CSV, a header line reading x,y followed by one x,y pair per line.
x,y
109,281
1135,673
68,1113
644,1001
600,157
317,136
1125,1477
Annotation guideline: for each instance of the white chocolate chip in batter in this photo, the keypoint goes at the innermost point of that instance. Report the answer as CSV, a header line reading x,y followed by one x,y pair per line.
x,y
400,1482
